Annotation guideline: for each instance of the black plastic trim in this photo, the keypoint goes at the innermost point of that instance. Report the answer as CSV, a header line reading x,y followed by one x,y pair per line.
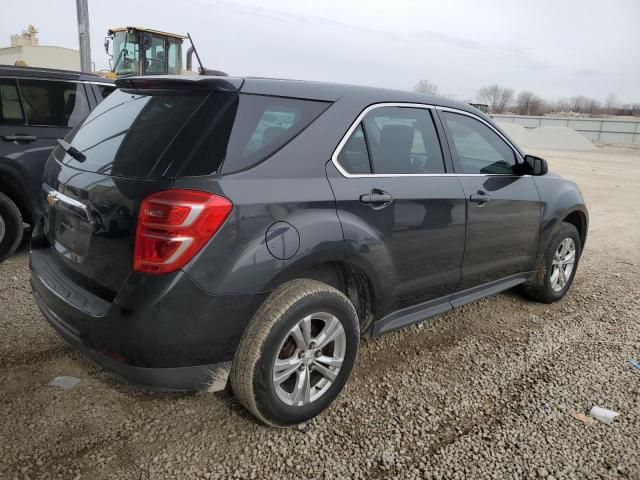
x,y
212,377
417,313
162,82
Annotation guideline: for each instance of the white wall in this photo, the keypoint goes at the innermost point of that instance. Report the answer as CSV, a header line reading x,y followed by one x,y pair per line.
x,y
42,56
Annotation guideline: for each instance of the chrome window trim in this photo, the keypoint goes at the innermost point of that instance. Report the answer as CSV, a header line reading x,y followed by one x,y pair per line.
x,y
354,125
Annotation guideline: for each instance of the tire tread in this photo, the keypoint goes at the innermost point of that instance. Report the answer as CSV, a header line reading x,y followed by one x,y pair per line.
x,y
536,288
8,248
249,351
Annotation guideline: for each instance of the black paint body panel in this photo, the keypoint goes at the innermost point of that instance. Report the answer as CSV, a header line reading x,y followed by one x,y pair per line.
x,y
155,322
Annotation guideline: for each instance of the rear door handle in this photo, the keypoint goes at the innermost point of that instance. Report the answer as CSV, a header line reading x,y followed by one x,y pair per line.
x,y
480,198
19,138
376,198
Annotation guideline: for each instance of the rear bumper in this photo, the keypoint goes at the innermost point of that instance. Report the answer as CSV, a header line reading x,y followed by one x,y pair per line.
x,y
211,377
172,338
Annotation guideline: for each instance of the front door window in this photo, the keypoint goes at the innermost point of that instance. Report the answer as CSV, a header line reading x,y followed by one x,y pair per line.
x,y
478,148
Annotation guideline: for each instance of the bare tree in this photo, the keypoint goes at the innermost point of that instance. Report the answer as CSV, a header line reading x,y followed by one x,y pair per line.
x,y
560,105
593,107
610,103
582,104
529,103
425,86
497,97
579,104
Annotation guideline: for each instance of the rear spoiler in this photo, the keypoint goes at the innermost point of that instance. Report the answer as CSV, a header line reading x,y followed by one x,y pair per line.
x,y
162,82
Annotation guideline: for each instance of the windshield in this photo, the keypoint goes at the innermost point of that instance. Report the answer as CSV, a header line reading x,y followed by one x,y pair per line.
x,y
126,53
159,55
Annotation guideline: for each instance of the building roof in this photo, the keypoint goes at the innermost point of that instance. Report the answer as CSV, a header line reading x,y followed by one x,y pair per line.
x,y
28,48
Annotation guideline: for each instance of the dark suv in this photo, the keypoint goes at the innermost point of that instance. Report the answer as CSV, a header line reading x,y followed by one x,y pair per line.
x,y
206,228
37,106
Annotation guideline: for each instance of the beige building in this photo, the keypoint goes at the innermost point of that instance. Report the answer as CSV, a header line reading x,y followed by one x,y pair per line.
x,y
26,48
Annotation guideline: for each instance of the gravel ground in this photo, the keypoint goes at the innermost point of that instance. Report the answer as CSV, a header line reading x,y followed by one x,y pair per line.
x,y
488,391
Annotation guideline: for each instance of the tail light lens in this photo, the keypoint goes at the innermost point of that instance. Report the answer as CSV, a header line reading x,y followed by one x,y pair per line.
x,y
174,225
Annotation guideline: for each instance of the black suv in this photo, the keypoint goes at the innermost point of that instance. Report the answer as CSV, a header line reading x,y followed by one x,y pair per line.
x,y
205,228
37,106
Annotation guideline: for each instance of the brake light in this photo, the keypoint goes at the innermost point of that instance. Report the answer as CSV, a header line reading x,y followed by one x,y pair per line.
x,y
174,225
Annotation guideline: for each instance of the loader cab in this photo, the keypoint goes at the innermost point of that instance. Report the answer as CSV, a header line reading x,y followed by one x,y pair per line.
x,y
138,51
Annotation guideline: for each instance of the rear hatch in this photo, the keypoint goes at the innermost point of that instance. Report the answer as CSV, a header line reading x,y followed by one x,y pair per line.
x,y
129,148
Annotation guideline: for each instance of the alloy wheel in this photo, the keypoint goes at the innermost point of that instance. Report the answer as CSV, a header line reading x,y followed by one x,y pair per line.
x,y
562,264
309,359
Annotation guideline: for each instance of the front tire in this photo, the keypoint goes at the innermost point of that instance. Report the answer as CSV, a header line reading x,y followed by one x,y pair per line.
x,y
296,354
11,227
557,267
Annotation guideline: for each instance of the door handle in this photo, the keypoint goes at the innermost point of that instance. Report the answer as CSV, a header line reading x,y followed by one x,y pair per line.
x,y
19,138
480,198
376,197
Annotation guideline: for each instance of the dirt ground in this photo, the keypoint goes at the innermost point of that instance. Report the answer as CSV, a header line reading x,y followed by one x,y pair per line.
x,y
488,391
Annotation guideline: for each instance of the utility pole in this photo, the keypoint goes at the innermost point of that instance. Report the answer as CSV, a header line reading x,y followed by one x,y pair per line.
x,y
83,35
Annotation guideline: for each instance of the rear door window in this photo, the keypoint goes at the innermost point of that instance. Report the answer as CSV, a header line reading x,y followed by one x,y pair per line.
x,y
394,140
403,140
354,156
53,103
252,128
10,108
129,132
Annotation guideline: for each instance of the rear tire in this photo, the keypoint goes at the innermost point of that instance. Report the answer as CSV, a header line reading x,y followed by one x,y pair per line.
x,y
296,354
11,227
557,267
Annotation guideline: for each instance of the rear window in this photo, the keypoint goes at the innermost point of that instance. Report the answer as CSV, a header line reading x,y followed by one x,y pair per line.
x,y
251,129
53,103
10,109
128,133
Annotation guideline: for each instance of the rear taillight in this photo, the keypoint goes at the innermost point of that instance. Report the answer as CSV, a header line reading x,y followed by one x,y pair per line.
x,y
173,225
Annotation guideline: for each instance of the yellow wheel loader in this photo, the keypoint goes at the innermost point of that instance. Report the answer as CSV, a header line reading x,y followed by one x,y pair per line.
x,y
143,51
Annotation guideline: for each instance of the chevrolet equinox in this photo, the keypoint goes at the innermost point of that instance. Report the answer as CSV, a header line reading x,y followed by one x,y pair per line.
x,y
199,230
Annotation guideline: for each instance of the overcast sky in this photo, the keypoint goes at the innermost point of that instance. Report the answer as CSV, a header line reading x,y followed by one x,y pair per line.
x,y
556,48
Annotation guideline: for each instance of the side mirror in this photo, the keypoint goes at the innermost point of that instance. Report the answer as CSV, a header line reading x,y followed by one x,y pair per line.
x,y
106,45
536,165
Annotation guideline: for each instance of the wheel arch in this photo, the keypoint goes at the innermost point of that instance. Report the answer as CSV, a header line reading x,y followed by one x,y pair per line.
x,y
350,279
14,188
578,219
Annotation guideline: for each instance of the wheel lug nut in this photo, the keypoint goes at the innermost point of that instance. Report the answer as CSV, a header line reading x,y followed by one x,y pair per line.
x,y
312,345
300,354
301,368
318,353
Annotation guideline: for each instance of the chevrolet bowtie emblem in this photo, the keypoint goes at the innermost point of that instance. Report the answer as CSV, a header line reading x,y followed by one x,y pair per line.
x,y
51,199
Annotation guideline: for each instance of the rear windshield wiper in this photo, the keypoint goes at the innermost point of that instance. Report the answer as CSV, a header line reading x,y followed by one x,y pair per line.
x,y
71,150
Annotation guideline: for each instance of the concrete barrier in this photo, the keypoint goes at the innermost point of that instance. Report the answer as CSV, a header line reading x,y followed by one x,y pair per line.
x,y
600,130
